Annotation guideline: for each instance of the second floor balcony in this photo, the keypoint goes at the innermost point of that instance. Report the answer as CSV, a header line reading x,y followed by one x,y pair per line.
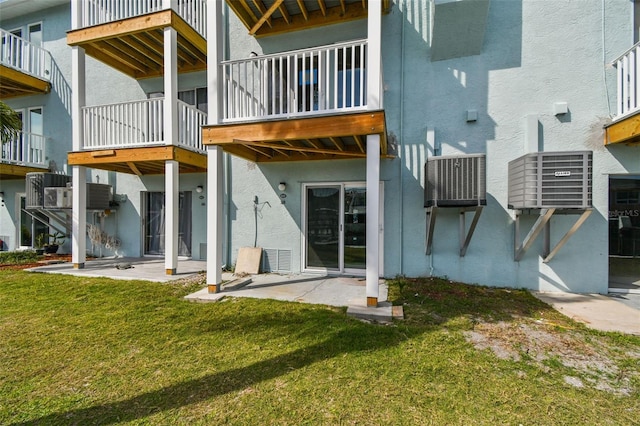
x,y
128,34
22,154
626,124
323,80
24,67
130,137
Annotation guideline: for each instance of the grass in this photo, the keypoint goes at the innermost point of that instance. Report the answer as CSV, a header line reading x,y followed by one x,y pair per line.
x,y
100,351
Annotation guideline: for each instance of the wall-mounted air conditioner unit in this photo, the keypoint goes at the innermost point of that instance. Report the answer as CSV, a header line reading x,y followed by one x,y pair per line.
x,y
57,198
544,180
35,184
98,196
455,181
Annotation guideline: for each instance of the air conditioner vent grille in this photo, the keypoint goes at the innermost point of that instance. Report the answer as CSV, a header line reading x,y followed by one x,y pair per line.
x,y
276,260
551,180
455,181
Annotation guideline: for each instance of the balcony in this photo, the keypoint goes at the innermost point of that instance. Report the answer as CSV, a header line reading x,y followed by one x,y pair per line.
x,y
24,67
270,17
626,125
298,105
128,34
129,137
22,154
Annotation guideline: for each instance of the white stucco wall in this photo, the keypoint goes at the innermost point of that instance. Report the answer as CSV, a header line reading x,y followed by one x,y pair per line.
x,y
535,53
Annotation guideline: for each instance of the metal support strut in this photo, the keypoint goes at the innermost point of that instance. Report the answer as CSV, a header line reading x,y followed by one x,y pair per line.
x,y
542,223
465,235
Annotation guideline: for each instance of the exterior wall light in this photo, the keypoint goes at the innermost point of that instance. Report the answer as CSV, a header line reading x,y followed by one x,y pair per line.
x,y
199,189
282,186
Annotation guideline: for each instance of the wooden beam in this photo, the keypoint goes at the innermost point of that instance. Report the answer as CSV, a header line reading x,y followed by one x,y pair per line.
x,y
363,123
243,11
284,12
23,80
623,131
342,5
323,7
314,143
337,142
359,142
295,144
261,7
10,171
314,19
260,151
303,9
347,153
134,168
120,28
265,16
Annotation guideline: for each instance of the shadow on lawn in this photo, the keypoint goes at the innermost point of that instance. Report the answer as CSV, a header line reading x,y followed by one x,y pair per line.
x,y
353,337
425,299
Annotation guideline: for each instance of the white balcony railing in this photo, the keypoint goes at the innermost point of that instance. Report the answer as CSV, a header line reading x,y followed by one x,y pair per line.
x,y
138,124
25,149
628,66
325,79
16,52
97,12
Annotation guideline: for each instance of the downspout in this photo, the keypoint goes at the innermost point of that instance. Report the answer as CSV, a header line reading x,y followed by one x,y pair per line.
x,y
604,61
400,145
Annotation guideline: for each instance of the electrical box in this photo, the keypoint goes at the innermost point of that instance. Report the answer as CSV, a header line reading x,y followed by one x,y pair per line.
x,y
455,181
551,180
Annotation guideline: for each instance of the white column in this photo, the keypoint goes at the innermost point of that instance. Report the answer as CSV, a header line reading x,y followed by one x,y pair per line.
x,y
172,183
374,102
373,218
79,217
79,173
215,175
215,229
171,170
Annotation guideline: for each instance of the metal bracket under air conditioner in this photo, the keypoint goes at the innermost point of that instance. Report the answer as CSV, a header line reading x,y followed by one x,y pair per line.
x,y
465,235
542,223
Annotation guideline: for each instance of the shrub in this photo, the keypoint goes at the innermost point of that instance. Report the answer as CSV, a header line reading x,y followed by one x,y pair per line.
x,y
17,257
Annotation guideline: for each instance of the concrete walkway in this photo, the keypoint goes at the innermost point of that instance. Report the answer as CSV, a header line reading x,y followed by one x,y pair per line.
x,y
598,311
126,268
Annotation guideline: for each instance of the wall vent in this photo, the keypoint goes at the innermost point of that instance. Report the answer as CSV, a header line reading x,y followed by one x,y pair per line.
x,y
551,180
276,260
455,181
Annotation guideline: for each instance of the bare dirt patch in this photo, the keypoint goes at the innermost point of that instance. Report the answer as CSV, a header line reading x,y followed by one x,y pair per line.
x,y
546,344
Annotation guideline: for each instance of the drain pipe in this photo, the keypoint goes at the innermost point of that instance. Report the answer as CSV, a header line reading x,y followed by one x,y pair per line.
x,y
400,144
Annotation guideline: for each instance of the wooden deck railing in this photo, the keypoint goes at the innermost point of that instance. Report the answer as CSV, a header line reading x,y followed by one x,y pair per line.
x,y
320,80
96,12
16,52
24,149
140,123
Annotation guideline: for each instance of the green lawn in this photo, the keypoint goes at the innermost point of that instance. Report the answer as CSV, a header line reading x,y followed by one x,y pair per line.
x,y
100,351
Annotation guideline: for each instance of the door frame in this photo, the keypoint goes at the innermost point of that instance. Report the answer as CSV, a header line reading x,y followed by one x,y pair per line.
x,y
341,269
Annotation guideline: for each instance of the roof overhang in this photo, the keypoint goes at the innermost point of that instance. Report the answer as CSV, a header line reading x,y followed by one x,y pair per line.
x,y
135,46
140,161
342,136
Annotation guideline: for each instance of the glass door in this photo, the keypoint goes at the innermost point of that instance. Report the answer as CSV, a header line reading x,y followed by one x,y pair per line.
x,y
323,248
335,228
355,227
154,223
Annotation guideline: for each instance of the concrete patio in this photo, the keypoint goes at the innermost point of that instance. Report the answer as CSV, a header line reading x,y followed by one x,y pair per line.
x,y
341,291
